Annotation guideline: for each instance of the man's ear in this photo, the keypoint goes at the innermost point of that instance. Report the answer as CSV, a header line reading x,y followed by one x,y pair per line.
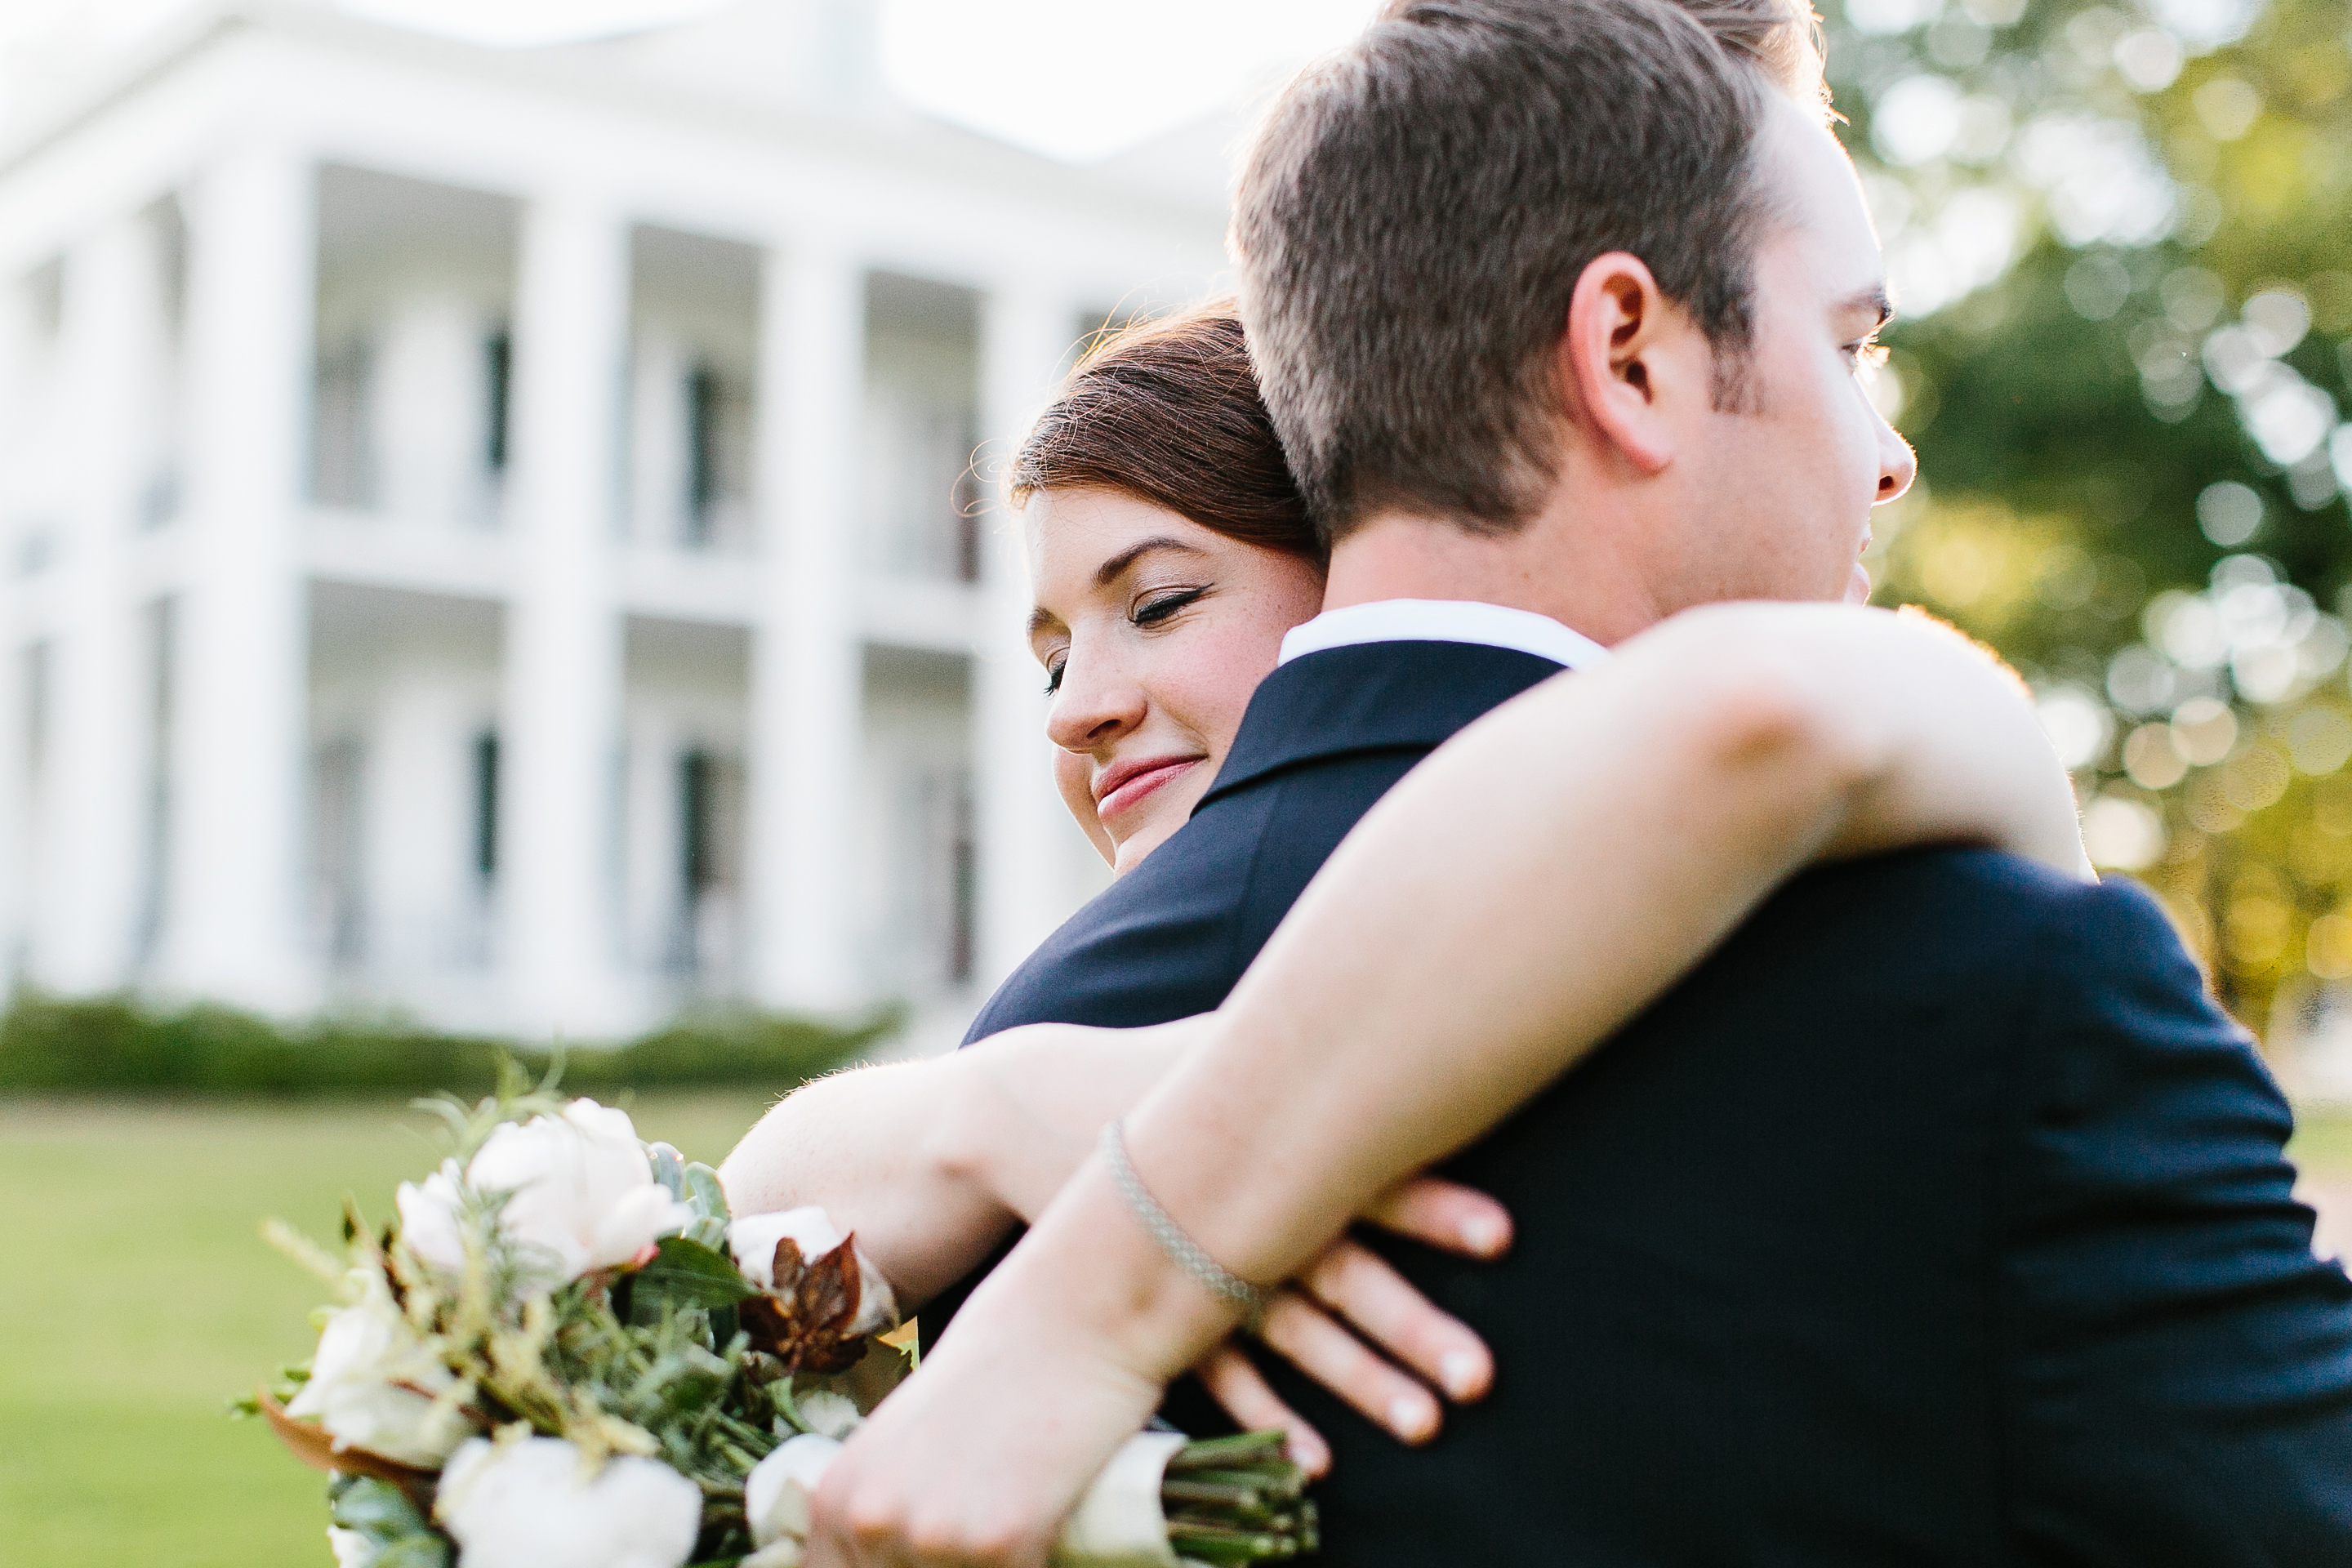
x,y
1611,359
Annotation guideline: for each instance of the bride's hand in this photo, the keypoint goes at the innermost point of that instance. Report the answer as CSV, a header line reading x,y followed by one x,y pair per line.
x,y
1350,1286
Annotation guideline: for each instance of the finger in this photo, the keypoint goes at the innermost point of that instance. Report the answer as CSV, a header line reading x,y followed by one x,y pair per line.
x,y
1363,1287
1310,1339
1444,1215
1235,1383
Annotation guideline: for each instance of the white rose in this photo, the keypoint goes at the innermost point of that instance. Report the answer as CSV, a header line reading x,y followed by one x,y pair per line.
x,y
752,1239
371,1386
581,1194
432,1217
528,1505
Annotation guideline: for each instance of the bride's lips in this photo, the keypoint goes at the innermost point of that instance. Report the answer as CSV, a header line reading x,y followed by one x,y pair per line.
x,y
1123,784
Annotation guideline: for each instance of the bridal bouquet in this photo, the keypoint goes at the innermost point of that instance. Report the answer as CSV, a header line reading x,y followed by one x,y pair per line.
x,y
564,1352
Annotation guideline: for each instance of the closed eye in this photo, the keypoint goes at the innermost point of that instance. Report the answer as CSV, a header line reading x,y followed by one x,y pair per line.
x,y
1151,612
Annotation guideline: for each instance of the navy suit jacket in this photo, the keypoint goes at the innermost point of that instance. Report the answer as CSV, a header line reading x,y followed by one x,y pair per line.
x,y
1939,1217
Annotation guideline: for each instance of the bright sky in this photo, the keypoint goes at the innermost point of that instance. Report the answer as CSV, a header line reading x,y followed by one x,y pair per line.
x,y
1073,78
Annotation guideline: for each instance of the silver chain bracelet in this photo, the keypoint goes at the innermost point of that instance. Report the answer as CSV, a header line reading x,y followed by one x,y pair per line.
x,y
1188,1254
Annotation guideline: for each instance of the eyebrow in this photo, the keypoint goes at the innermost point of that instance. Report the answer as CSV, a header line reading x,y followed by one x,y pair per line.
x,y
1108,572
1874,298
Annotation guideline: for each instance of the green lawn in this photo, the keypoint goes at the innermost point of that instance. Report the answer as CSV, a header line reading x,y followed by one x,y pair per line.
x,y
137,1297
2323,1143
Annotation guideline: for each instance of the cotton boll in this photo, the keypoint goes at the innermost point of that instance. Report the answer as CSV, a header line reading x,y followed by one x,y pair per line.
x,y
829,1415
777,1492
752,1238
529,1505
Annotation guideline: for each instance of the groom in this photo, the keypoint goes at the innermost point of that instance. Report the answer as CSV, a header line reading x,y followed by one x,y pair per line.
x,y
1939,1217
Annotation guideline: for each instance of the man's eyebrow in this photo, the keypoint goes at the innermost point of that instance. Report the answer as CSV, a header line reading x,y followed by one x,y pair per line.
x,y
1108,572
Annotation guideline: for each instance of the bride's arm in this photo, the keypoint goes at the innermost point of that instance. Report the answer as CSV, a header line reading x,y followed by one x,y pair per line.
x,y
933,1162
1581,848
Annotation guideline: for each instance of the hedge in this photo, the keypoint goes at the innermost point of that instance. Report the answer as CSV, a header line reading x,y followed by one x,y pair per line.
x,y
115,1044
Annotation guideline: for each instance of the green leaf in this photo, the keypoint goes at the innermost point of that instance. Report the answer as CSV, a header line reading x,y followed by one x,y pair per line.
x,y
377,1510
687,1273
425,1550
703,1193
669,1168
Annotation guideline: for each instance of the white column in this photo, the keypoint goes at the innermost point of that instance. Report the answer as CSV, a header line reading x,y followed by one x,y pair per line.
x,y
17,396
432,423
560,744
1021,829
240,729
807,670
96,833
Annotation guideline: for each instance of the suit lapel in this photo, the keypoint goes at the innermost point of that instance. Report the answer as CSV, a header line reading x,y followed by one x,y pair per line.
x,y
1371,696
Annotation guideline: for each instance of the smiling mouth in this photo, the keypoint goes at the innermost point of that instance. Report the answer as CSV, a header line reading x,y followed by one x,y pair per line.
x,y
1129,790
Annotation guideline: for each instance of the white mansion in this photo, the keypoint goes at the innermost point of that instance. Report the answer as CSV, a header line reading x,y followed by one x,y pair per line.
x,y
490,533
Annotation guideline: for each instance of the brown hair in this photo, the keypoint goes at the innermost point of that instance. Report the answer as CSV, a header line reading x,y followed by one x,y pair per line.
x,y
1417,209
1170,411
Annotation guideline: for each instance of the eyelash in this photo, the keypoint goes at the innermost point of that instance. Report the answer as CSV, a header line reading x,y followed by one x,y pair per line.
x,y
1869,352
1158,610
1144,615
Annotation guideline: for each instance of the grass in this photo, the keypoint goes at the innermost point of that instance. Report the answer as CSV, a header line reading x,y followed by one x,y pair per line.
x,y
137,1297
2323,1141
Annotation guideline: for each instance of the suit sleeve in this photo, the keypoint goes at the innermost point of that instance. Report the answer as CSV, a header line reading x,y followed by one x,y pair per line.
x,y
2179,1364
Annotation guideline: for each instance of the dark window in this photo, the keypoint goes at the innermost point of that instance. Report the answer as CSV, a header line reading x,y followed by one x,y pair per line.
x,y
486,806
497,354
964,887
704,411
698,864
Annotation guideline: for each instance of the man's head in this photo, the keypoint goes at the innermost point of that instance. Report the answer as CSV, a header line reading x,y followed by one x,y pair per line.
x,y
1593,268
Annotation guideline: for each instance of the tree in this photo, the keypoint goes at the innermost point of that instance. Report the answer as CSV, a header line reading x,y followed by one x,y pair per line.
x,y
2122,239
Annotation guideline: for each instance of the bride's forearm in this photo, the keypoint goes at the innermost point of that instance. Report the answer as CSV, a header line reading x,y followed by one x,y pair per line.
x,y
1534,883
930,1163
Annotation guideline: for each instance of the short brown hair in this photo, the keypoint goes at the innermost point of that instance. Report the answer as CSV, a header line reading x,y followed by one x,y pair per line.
x,y
1417,209
1169,410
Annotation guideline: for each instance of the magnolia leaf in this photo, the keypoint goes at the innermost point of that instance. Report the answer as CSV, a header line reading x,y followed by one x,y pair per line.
x,y
313,1445
686,1273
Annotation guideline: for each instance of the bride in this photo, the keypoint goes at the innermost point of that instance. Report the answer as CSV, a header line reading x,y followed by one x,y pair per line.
x,y
1169,557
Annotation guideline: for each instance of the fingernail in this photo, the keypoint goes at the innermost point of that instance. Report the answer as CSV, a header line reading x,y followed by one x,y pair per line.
x,y
1412,1419
1462,1372
1485,1234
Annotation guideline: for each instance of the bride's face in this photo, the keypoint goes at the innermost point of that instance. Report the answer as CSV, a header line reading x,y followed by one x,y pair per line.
x,y
1153,632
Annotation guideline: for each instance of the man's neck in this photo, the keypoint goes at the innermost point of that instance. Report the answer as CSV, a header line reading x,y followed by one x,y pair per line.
x,y
1399,555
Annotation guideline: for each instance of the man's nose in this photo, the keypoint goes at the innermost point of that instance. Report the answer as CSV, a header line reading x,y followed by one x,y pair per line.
x,y
1897,464
1094,704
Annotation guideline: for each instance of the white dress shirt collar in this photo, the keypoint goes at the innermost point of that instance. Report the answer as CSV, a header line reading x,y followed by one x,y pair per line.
x,y
1443,620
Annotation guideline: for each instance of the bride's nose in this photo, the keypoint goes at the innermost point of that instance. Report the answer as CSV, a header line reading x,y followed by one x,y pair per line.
x,y
1096,703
